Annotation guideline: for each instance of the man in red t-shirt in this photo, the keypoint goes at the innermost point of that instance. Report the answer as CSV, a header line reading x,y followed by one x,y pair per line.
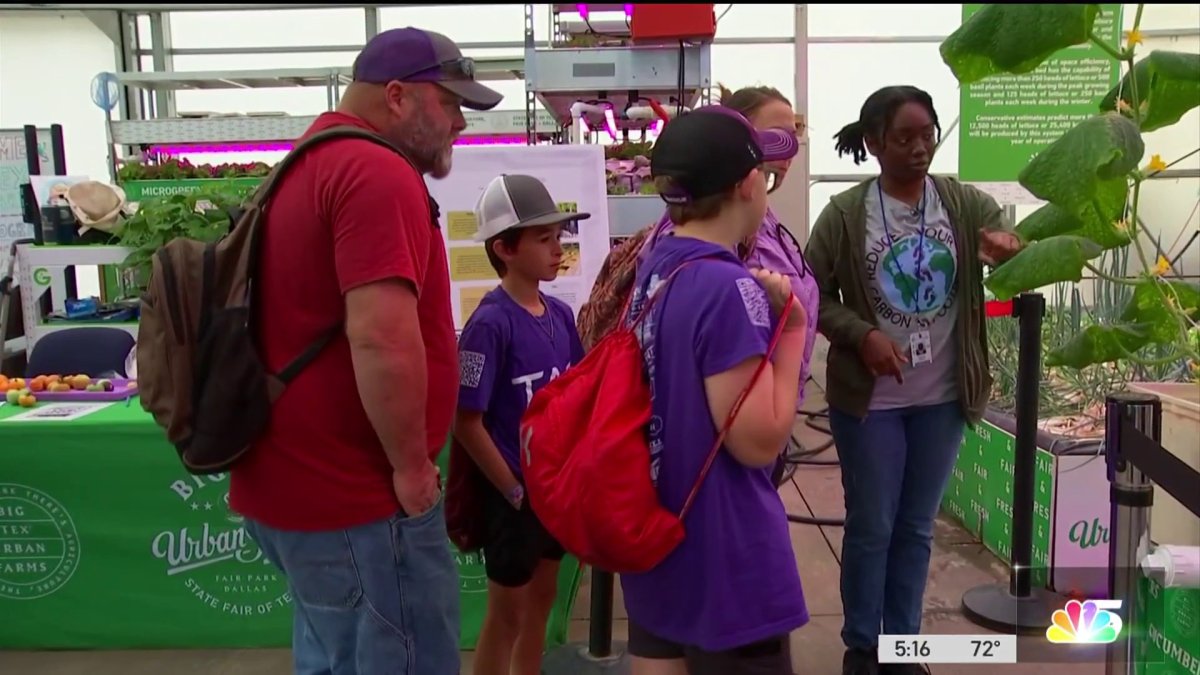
x,y
342,492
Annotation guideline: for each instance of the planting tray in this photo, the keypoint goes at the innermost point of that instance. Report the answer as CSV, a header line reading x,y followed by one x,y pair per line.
x,y
122,389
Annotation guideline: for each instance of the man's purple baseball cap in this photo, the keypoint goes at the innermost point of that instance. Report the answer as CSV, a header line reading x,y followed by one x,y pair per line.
x,y
415,55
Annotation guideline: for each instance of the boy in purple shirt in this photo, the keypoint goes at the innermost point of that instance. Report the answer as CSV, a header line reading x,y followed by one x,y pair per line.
x,y
725,601
516,341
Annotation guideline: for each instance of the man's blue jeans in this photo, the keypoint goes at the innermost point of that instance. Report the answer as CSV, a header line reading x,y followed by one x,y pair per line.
x,y
377,599
895,466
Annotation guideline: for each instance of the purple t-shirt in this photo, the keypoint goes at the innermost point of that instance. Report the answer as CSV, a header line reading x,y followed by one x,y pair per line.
x,y
776,250
733,580
506,354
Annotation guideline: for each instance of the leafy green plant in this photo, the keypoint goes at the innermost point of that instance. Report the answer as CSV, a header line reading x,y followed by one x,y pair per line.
x,y
1073,398
177,169
1091,179
629,150
203,215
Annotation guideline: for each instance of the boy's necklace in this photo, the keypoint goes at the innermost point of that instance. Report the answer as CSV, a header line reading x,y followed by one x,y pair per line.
x,y
545,322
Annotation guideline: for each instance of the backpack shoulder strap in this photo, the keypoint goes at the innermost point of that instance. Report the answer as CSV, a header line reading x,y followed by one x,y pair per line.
x,y
652,297
267,187
737,406
314,349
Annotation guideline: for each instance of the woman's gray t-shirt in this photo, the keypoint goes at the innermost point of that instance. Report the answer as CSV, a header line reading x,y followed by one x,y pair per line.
x,y
914,295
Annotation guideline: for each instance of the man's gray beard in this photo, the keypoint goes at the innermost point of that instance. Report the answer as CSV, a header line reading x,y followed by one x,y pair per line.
x,y
434,162
442,164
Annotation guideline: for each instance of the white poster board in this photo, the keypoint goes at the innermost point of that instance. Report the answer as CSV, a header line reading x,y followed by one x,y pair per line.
x,y
574,175
14,171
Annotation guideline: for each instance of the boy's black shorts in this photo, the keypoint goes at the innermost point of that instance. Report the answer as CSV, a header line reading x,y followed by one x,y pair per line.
x,y
768,657
515,541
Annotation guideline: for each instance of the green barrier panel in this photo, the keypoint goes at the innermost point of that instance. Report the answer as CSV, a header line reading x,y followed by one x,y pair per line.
x,y
107,543
1168,630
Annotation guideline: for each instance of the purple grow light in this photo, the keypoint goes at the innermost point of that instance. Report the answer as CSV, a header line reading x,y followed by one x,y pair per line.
x,y
175,150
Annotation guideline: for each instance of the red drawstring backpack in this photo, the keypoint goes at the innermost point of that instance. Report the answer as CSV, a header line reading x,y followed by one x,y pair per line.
x,y
586,459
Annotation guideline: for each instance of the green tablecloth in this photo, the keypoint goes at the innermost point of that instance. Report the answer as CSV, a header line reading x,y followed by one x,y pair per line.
x,y
106,542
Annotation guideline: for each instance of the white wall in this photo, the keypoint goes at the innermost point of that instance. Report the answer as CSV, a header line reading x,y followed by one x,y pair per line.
x,y
47,62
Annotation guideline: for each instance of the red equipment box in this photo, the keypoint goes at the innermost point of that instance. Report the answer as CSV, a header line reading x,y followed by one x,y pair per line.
x,y
671,23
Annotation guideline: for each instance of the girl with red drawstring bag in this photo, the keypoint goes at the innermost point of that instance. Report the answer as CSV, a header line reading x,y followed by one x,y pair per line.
x,y
652,457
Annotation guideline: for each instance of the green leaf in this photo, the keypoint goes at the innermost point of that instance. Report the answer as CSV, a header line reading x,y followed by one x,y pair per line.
x,y
1148,307
1168,85
1014,39
1042,263
1073,171
1096,221
1098,344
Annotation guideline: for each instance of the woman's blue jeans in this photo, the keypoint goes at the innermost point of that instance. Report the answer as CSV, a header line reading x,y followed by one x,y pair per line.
x,y
895,466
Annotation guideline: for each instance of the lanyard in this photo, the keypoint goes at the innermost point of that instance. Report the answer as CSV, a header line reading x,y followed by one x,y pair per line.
x,y
919,256
802,269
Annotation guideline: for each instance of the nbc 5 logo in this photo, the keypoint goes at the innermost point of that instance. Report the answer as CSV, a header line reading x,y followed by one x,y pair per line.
x,y
1087,622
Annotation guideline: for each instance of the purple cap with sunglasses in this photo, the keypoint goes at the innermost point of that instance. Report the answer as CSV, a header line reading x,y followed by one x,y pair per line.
x,y
415,55
709,150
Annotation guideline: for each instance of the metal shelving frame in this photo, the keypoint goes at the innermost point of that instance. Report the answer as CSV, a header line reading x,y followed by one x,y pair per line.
x,y
175,130
557,76
147,110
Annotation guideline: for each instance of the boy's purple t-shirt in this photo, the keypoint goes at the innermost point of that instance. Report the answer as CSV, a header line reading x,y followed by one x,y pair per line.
x,y
506,354
733,581
776,250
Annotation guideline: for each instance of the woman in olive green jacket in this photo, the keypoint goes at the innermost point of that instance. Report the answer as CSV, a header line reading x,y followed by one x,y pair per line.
x,y
899,260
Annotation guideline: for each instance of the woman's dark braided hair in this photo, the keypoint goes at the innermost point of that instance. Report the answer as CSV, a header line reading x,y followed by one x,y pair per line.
x,y
876,116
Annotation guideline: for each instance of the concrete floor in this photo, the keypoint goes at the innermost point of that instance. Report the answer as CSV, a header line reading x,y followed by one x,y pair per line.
x,y
959,563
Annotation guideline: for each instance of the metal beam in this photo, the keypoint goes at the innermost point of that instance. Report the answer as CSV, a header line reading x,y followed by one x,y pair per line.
x,y
108,21
164,61
515,45
132,105
938,39
372,21
790,201
178,8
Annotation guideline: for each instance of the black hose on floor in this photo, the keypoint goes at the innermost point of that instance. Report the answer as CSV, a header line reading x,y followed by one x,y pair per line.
x,y
799,456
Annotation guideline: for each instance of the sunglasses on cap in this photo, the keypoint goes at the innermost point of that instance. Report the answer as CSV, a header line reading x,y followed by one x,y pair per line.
x,y
456,69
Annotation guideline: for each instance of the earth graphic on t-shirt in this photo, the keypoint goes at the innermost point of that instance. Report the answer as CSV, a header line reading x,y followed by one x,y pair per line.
x,y
917,284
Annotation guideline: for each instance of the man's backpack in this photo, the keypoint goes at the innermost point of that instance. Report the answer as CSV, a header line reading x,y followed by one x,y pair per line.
x,y
199,372
586,459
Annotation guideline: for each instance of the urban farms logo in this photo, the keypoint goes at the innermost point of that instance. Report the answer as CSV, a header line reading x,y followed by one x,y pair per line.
x,y
1087,622
216,561
1086,535
39,546
472,574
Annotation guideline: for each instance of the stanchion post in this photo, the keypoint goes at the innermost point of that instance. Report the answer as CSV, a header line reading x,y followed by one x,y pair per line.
x,y
600,628
1131,496
1030,310
1017,606
600,656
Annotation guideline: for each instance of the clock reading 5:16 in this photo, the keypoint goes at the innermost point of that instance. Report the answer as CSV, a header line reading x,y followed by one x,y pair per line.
x,y
947,649
912,648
